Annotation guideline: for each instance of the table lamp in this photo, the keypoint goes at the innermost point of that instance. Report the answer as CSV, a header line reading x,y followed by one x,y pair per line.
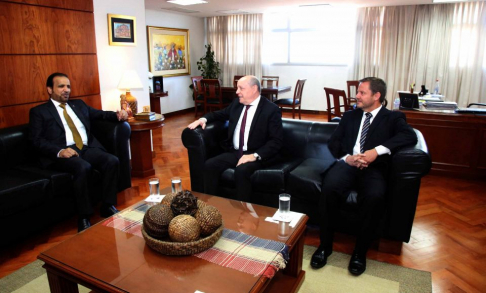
x,y
129,80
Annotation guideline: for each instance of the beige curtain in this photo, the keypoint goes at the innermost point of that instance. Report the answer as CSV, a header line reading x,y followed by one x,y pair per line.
x,y
237,44
421,43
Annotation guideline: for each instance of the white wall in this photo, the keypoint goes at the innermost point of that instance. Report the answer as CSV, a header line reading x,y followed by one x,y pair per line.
x,y
318,77
180,95
114,60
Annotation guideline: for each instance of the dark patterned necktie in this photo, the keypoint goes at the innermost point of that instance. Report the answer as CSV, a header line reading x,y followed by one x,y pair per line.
x,y
242,132
77,137
364,131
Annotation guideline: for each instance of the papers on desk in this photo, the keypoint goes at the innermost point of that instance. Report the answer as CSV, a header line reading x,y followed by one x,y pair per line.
x,y
431,98
441,105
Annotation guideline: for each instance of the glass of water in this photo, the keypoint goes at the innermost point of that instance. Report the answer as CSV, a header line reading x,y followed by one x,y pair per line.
x,y
154,186
284,205
176,184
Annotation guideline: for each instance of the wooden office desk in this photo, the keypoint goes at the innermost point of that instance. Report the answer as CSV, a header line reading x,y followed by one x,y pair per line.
x,y
457,142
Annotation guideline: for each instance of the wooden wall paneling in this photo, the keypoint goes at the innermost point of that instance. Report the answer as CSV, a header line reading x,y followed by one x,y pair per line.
x,y
82,5
28,29
19,114
23,77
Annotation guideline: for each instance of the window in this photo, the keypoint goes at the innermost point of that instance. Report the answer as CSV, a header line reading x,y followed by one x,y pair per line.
x,y
311,35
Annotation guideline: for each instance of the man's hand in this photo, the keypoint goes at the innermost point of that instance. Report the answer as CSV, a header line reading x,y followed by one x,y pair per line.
x,y
122,115
196,123
68,153
356,161
246,159
369,157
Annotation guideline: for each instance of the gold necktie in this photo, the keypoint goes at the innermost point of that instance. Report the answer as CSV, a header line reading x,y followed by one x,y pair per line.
x,y
77,138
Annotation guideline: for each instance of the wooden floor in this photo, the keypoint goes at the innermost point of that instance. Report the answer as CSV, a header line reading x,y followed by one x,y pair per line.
x,y
448,237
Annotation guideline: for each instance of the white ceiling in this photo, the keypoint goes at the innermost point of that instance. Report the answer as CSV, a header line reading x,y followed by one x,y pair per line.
x,y
260,6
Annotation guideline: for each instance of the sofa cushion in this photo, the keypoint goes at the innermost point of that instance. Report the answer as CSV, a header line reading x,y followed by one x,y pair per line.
x,y
304,182
270,179
20,191
60,182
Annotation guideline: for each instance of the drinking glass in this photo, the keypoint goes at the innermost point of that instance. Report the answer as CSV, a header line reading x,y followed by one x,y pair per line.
x,y
284,205
154,186
176,184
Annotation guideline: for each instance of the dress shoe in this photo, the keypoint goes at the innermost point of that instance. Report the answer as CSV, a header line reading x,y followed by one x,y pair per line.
x,y
83,224
357,264
319,258
108,211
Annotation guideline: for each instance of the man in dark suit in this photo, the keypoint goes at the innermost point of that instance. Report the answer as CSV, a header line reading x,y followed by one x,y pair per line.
x,y
60,130
254,137
363,144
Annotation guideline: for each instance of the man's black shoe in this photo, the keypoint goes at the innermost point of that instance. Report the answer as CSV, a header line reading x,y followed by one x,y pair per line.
x,y
319,258
108,211
83,224
357,264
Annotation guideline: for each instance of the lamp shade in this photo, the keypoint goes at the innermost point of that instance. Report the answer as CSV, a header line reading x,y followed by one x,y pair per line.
x,y
130,80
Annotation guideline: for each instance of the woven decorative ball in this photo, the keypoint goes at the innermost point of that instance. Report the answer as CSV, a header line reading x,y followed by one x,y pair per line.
x,y
167,200
184,203
209,218
184,228
200,205
156,221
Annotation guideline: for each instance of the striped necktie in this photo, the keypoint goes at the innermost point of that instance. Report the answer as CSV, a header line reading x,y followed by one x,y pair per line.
x,y
242,132
77,137
364,131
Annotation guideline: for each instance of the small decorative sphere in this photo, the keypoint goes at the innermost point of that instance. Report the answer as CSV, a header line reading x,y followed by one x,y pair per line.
x,y
184,203
156,221
184,228
209,218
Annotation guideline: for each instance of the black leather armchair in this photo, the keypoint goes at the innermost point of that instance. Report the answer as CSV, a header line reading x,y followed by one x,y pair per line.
x,y
305,158
32,198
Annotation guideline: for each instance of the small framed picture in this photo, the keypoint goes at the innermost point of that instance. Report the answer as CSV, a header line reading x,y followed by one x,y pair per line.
x,y
158,84
121,30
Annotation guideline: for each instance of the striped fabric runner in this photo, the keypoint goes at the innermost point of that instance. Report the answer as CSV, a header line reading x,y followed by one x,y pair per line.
x,y
234,250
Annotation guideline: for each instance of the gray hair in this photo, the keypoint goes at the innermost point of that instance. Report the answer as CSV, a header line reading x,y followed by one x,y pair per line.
x,y
253,80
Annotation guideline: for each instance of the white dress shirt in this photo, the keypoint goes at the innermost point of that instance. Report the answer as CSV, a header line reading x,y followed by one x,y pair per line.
x,y
381,150
249,119
79,125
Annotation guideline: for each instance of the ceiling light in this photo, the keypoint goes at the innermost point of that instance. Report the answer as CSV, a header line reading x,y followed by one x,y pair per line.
x,y
235,11
448,1
187,2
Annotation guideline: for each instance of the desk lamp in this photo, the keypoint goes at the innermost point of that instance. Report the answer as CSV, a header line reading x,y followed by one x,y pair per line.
x,y
129,81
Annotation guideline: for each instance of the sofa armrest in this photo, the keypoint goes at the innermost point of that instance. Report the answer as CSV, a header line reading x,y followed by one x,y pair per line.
x,y
115,136
409,165
202,145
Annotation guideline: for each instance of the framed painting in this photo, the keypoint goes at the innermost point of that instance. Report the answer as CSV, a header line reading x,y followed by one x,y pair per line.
x,y
121,30
168,50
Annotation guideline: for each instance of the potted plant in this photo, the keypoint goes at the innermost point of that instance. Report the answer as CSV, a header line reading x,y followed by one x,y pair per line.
x,y
207,64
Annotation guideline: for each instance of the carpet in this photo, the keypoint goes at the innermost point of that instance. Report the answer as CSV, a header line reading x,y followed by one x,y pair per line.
x,y
334,277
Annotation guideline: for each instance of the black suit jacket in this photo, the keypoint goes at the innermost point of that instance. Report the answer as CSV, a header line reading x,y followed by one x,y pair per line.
x,y
389,129
47,132
266,133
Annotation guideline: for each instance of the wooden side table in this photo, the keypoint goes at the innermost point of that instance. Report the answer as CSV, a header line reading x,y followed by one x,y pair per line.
x,y
155,101
140,145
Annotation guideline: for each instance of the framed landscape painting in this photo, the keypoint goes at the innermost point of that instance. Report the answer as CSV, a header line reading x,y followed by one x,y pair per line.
x,y
121,30
168,50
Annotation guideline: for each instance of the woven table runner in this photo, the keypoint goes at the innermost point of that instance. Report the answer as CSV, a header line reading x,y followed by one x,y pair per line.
x,y
235,250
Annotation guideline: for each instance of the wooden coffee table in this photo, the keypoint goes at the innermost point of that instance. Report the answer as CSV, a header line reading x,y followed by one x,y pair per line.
x,y
105,259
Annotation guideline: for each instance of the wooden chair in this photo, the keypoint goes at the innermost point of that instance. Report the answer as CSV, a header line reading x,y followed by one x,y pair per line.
x,y
296,101
271,81
213,97
198,95
352,94
335,110
235,80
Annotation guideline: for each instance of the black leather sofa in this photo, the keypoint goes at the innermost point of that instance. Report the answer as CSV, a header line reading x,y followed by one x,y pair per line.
x,y
305,158
32,198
